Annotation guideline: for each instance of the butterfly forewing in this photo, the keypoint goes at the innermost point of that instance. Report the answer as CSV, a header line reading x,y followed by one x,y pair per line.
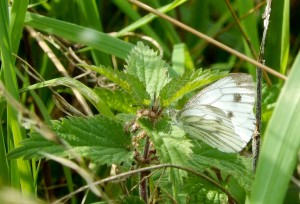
x,y
222,113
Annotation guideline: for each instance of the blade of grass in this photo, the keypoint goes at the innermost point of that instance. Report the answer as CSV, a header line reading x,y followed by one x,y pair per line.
x,y
278,43
83,89
134,15
70,182
211,29
4,173
22,171
281,144
168,28
141,22
91,18
181,60
17,16
79,34
250,29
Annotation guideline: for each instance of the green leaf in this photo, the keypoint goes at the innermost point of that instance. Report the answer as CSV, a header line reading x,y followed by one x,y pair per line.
x,y
181,60
98,138
199,190
117,100
278,38
126,81
129,199
172,148
138,90
250,31
83,89
145,64
280,148
186,83
79,34
114,75
143,22
269,96
239,167
11,26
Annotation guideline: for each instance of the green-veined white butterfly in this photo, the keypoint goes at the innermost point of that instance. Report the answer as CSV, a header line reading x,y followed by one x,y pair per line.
x,y
221,114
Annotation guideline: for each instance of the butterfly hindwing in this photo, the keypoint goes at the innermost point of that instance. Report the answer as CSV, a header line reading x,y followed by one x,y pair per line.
x,y
212,126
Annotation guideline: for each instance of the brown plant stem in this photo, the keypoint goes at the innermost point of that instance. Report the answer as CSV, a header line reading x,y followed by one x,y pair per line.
x,y
144,174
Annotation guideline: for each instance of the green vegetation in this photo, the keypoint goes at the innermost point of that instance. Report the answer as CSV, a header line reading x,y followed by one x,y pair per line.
x,y
88,89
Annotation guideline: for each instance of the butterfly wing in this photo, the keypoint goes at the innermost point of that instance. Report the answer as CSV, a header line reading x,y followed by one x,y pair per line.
x,y
212,126
230,100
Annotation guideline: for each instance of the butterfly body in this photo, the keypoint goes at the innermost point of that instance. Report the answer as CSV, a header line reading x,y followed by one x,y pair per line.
x,y
222,114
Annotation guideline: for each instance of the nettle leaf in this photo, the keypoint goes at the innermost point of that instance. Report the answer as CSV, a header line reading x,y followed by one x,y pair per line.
x,y
129,83
189,81
239,167
98,138
114,75
199,190
148,67
117,100
138,92
171,148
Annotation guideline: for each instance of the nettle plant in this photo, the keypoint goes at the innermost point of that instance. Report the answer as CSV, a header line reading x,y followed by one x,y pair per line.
x,y
156,159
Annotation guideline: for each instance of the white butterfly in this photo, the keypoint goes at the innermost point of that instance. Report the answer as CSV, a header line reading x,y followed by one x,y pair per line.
x,y
221,114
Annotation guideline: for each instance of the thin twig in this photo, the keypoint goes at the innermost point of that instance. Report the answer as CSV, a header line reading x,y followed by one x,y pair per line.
x,y
59,66
59,101
144,174
246,38
250,12
209,39
295,181
256,137
228,27
151,199
137,171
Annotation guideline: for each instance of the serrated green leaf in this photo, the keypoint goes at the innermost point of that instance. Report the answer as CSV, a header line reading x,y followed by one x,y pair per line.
x,y
199,190
171,148
117,100
126,81
113,75
186,83
138,92
175,151
204,157
148,67
99,138
123,117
